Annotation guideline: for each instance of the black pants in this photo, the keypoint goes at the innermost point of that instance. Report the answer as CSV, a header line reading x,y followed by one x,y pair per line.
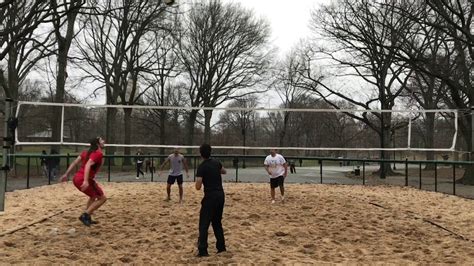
x,y
292,168
139,169
212,207
149,167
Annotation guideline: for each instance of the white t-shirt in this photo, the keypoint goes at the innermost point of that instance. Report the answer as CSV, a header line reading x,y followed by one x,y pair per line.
x,y
176,164
275,164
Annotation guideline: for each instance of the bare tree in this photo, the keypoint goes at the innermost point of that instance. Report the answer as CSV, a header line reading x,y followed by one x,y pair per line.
x,y
171,124
111,47
360,30
223,53
159,77
426,90
22,44
18,19
63,41
286,83
453,19
241,121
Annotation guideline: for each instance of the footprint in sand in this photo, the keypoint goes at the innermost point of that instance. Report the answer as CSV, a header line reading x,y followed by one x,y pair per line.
x,y
253,216
280,233
125,259
306,251
9,244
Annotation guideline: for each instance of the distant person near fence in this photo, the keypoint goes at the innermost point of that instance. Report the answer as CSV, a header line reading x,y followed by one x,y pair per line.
x,y
139,164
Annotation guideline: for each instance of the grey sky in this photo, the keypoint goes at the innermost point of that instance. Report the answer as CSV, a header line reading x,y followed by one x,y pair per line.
x,y
289,20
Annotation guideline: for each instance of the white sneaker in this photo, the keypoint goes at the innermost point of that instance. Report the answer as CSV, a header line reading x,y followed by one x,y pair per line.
x,y
137,177
282,199
273,201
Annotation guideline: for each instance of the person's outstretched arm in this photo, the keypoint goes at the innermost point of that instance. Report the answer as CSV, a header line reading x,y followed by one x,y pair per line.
x,y
267,167
162,165
87,171
185,164
198,183
65,177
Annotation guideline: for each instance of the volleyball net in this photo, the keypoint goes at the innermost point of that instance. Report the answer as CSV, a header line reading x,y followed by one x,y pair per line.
x,y
233,129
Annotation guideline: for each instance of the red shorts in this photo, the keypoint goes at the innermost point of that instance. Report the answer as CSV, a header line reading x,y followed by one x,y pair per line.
x,y
93,190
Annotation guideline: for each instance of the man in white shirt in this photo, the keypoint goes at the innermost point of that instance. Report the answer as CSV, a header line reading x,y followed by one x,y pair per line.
x,y
177,163
277,169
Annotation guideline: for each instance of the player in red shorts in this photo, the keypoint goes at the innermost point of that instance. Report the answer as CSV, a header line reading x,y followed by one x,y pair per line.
x,y
84,179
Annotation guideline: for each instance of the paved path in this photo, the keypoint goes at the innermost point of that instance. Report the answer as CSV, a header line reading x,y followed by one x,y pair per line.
x,y
304,175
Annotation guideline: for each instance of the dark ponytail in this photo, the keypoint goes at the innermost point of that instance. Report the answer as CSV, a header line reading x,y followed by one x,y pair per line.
x,y
95,143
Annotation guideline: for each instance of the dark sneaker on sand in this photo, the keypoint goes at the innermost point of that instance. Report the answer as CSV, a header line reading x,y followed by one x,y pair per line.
x,y
85,219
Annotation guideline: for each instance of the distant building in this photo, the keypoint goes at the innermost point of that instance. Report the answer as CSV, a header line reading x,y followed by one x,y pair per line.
x,y
44,136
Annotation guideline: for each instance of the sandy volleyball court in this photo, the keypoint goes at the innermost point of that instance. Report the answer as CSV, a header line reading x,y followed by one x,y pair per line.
x,y
318,223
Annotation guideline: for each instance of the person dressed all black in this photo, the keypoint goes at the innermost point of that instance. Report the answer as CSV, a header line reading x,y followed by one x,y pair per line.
x,y
149,165
139,163
53,165
212,205
44,163
292,166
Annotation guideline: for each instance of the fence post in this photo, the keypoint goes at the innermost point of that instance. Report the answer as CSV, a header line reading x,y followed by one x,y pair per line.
x,y
49,173
321,170
28,172
454,179
194,166
363,172
436,176
67,160
108,168
406,172
237,172
152,164
419,172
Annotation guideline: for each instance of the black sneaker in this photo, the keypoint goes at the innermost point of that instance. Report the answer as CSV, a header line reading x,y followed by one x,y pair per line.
x,y
202,254
85,219
221,250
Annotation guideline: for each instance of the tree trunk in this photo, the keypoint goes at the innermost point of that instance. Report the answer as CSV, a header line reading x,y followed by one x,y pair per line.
x,y
13,82
207,126
162,131
110,131
286,117
385,168
190,126
127,119
468,177
64,43
59,94
12,77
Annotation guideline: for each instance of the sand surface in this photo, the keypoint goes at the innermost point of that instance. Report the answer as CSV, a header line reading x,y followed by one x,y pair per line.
x,y
316,224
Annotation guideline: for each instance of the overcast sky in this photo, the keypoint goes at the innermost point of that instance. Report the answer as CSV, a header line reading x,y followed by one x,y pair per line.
x,y
289,20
